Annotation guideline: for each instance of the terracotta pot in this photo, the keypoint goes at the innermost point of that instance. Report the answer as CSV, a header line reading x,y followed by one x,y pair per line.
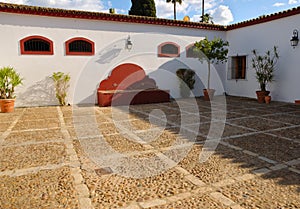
x,y
7,105
208,94
261,96
267,99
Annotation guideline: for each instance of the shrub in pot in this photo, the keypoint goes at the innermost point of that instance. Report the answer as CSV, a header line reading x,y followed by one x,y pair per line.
x,y
9,79
264,66
186,81
213,51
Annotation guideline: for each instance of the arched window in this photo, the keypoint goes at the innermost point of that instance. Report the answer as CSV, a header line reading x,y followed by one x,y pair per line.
x,y
168,49
80,46
190,51
36,45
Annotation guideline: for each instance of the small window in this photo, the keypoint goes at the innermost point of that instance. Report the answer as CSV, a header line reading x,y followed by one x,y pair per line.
x,y
36,45
190,52
168,49
80,46
238,67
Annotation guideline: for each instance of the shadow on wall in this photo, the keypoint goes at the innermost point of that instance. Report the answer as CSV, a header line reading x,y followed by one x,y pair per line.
x,y
42,93
164,72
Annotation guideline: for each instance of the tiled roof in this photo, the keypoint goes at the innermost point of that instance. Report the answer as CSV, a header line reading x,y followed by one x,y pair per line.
x,y
43,11
54,12
265,18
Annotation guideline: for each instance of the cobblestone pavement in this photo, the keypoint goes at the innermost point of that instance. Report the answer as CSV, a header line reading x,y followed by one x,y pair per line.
x,y
256,164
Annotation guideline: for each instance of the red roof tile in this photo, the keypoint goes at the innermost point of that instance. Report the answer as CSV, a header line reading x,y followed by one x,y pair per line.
x,y
54,12
265,18
42,11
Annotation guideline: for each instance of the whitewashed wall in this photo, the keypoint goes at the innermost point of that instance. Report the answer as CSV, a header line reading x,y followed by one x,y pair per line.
x,y
87,71
286,86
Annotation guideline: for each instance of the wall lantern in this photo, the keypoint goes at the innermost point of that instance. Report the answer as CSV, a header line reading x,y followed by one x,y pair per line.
x,y
128,43
295,39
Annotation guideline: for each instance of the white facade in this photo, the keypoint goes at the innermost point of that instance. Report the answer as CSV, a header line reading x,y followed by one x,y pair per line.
x,y
110,37
286,86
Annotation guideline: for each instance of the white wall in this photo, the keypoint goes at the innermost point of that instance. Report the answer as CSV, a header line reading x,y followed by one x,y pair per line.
x,y
87,71
262,37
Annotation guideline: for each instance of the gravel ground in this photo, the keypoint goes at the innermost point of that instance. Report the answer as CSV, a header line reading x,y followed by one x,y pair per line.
x,y
42,167
279,189
45,189
33,136
18,157
269,146
197,201
223,164
112,190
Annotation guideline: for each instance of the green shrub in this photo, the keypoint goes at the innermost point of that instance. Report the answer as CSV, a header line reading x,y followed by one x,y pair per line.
x,y
9,79
186,81
62,85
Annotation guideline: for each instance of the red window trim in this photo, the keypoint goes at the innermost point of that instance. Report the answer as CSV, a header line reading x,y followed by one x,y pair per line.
x,y
186,50
160,54
22,41
79,53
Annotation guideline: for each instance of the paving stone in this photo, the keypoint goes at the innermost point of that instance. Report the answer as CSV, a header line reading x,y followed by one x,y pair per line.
x,y
85,203
224,183
152,203
261,171
278,167
82,190
33,174
221,198
179,197
194,180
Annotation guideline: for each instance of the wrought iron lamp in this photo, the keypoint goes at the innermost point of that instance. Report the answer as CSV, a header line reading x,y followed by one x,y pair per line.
x,y
129,43
294,40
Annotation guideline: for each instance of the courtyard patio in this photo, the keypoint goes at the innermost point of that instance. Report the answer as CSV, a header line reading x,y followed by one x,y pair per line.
x,y
256,164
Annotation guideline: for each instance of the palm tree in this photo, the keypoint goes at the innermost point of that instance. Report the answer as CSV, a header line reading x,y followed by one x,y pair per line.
x,y
174,2
207,18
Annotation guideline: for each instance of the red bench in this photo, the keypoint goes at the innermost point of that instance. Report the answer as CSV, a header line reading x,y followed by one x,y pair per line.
x,y
128,85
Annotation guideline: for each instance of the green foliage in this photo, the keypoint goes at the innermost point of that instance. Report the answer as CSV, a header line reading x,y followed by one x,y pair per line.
x,y
186,81
174,2
214,51
264,66
61,82
9,79
207,18
143,8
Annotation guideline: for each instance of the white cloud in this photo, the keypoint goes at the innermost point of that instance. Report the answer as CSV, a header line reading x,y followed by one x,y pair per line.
x,y
221,15
89,5
278,4
166,10
196,18
294,1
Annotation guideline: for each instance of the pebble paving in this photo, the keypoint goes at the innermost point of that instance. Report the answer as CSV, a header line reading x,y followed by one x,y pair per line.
x,y
256,164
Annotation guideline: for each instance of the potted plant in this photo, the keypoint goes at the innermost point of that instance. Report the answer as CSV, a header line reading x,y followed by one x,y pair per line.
x,y
213,51
9,79
264,66
186,81
61,81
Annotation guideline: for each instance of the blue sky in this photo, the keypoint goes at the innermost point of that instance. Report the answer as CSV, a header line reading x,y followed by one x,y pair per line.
x,y
223,11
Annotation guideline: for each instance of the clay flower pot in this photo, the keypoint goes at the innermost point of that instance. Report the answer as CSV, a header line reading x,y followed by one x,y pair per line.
x,y
261,96
208,94
7,105
267,99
